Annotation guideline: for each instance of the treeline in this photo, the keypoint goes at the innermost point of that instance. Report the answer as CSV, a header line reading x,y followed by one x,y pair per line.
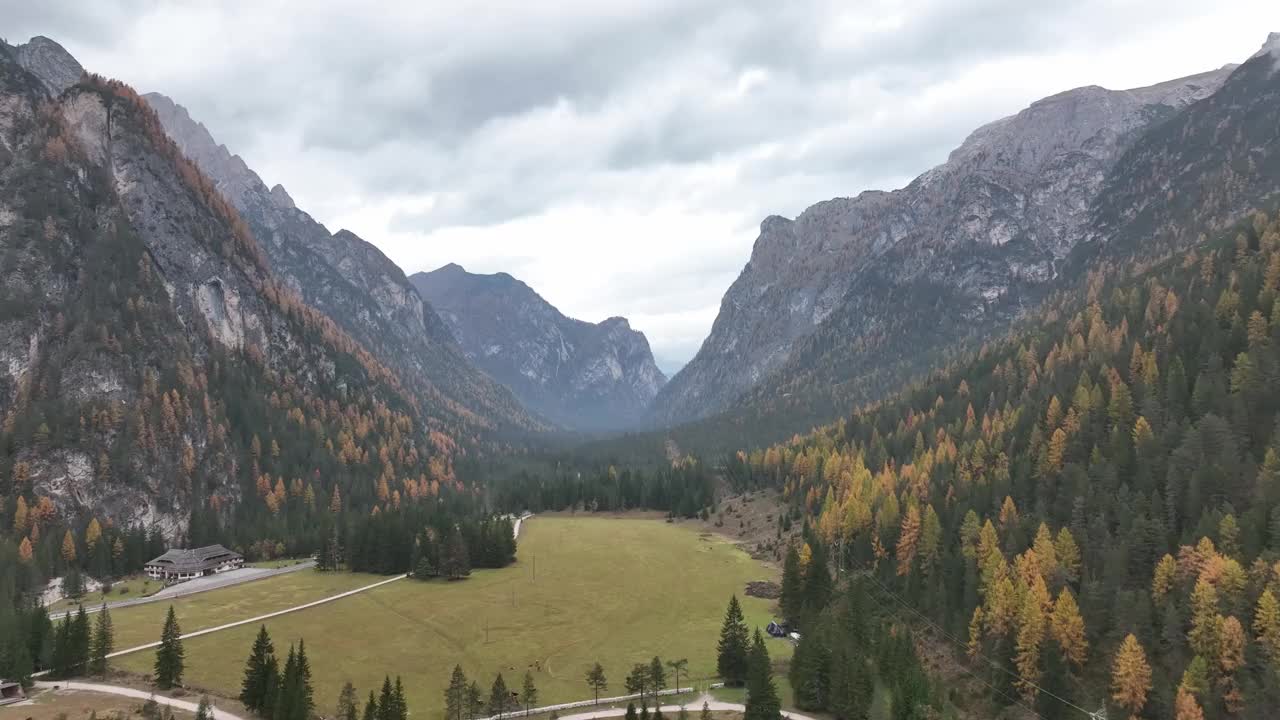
x,y
419,541
1087,503
683,488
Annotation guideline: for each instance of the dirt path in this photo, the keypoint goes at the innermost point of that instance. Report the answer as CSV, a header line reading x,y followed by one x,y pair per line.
x,y
139,694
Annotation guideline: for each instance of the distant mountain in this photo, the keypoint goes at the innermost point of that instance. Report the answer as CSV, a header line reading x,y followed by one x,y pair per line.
x,y
351,281
581,375
154,367
842,303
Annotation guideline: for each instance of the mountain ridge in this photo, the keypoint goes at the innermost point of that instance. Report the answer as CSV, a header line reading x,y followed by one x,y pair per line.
x,y
584,376
983,229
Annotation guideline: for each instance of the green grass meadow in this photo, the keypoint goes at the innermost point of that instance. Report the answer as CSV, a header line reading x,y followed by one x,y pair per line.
x,y
585,589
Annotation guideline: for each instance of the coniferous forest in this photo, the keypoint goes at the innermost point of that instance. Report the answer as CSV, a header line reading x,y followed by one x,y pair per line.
x,y
1080,506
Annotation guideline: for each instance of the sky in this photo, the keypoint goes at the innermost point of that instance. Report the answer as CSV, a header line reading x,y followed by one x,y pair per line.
x,y
617,156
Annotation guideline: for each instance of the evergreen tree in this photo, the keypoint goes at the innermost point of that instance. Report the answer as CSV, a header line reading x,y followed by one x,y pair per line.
x,y
657,676
456,560
370,708
79,641
499,697
731,657
528,693
475,700
169,663
346,708
103,642
387,700
254,689
204,711
637,682
631,712
597,681
762,696
455,696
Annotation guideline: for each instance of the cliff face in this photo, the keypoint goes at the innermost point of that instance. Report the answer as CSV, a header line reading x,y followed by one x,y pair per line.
x,y
153,361
971,240
351,281
581,375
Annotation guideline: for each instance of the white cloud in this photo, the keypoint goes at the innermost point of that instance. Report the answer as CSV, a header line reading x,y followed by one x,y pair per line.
x,y
617,156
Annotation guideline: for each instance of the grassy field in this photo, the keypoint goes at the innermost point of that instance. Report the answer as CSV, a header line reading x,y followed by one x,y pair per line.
x,y
616,591
141,624
128,588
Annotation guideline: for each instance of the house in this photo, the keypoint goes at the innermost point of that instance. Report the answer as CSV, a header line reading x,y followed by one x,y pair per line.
x,y
179,564
10,692
776,629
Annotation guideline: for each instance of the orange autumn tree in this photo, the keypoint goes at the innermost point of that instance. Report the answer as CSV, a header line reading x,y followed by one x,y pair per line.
x,y
1130,676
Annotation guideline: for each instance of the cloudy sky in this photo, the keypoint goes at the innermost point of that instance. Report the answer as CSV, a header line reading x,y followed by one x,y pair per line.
x,y
618,156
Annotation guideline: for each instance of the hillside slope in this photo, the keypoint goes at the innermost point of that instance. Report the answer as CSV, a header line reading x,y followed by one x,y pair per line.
x,y
581,375
152,366
964,248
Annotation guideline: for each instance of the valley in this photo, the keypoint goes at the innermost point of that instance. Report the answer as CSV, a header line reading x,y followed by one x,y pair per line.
x,y
616,591
1001,443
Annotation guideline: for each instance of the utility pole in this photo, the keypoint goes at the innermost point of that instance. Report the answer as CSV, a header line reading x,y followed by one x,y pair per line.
x,y
535,566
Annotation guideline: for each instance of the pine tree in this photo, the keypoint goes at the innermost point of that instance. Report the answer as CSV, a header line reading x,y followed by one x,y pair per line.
x,y
103,642
387,700
79,642
499,697
657,676
253,689
204,711
346,708
475,700
455,696
169,663
762,695
528,692
370,708
731,659
1130,677
637,682
597,681
631,712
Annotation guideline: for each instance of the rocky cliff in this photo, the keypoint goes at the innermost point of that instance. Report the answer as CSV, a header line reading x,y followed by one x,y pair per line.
x,y
153,363
349,280
581,375
959,251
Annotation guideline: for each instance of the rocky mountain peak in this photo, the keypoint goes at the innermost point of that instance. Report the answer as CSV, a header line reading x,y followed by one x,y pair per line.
x,y
586,376
56,69
995,219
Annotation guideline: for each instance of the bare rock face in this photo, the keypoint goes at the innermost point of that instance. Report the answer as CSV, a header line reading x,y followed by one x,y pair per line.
x,y
56,69
348,279
979,233
581,375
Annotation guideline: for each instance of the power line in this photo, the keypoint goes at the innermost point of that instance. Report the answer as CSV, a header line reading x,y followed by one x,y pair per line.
x,y
989,661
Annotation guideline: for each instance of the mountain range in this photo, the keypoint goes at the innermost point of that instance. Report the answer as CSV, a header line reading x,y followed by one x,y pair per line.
x,y
583,376
857,295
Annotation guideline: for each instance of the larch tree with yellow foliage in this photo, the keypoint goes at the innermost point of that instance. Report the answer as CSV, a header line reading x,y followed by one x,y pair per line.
x,y
69,547
1185,706
1266,626
1205,620
1068,628
908,539
1130,676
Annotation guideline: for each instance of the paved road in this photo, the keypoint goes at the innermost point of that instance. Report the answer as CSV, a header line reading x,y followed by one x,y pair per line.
x,y
199,585
671,710
189,706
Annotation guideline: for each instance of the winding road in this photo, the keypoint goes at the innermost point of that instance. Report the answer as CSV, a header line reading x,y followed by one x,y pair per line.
x,y
187,705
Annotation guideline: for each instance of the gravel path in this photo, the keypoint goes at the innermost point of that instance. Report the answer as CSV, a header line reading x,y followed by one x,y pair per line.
x,y
139,694
671,710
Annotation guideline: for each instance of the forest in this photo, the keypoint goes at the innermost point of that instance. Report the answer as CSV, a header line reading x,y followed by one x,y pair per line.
x,y
1089,510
